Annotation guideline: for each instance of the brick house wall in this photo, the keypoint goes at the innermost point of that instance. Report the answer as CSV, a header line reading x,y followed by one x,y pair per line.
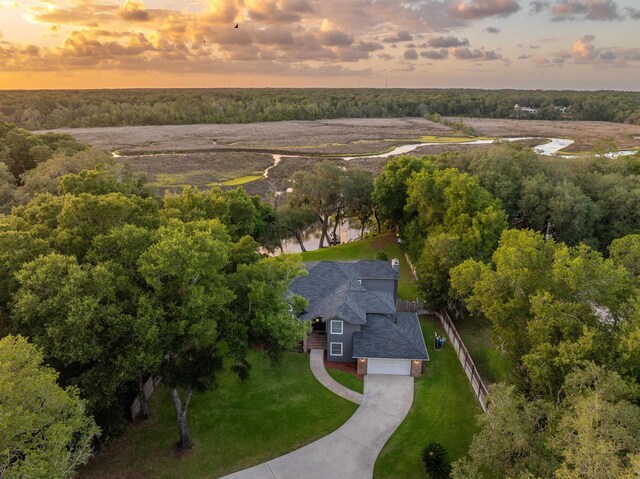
x,y
362,366
416,369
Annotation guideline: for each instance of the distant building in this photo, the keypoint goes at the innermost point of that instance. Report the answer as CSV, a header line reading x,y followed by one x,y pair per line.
x,y
561,109
526,109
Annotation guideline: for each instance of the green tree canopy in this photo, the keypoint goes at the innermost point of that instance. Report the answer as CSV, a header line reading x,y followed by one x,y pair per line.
x,y
454,218
551,306
45,431
390,190
89,325
319,190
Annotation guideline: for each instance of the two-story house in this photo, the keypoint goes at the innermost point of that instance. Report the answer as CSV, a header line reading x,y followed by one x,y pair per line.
x,y
353,305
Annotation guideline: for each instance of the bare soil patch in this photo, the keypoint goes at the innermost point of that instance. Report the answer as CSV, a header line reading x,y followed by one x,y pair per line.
x,y
585,133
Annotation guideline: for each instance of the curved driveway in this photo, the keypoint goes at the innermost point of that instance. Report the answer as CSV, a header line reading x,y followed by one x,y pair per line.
x,y
350,451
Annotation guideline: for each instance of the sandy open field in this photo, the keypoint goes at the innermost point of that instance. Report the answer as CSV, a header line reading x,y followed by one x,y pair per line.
x,y
202,155
314,136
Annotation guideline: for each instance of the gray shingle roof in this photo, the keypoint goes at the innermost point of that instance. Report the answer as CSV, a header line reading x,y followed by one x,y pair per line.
x,y
382,337
332,289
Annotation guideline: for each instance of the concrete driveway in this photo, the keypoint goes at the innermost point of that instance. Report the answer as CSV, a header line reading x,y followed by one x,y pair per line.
x,y
350,451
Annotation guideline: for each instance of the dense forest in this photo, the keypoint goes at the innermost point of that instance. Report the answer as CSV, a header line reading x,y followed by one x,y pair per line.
x,y
49,109
563,302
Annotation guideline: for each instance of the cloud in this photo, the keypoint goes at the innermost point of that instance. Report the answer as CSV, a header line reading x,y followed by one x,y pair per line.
x,y
133,11
273,36
476,9
598,10
281,36
608,55
447,42
633,13
405,67
401,36
524,57
368,46
539,6
331,35
583,48
274,11
435,54
465,53
83,14
585,51
410,54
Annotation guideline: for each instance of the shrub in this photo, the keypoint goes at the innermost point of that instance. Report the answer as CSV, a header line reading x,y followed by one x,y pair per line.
x,y
382,255
435,461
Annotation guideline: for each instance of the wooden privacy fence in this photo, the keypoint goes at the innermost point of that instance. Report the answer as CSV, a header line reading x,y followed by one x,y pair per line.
x,y
403,306
149,387
479,389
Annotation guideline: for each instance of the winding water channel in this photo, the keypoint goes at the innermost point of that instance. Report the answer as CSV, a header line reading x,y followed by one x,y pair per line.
x,y
548,147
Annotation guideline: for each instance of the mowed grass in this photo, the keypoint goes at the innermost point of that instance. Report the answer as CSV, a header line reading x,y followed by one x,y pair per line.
x,y
237,425
444,410
346,379
492,365
368,249
444,407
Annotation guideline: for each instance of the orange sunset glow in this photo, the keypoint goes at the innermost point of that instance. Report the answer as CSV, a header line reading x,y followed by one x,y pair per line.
x,y
579,44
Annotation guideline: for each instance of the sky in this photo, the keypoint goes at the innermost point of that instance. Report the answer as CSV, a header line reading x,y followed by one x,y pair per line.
x,y
528,44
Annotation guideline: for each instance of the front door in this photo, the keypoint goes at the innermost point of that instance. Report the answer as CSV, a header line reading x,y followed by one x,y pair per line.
x,y
318,326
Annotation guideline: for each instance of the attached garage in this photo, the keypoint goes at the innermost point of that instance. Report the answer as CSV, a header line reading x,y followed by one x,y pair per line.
x,y
398,367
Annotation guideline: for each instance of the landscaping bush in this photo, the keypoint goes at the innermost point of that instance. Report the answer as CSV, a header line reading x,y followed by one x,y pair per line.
x,y
435,461
382,255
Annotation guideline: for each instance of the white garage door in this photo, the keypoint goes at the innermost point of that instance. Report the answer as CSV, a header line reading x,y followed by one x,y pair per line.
x,y
400,367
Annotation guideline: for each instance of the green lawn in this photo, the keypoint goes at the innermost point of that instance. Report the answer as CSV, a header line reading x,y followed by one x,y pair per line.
x,y
444,410
368,249
491,363
234,426
348,380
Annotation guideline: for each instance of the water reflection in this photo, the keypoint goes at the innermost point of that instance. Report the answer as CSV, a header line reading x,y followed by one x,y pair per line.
x,y
311,241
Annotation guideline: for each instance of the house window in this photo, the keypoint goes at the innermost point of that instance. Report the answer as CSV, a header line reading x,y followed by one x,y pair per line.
x,y
336,327
335,349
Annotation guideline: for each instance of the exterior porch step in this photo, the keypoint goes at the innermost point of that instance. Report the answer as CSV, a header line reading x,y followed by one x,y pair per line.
x,y
315,341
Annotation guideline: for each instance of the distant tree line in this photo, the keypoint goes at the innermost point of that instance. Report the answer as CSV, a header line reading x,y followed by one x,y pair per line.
x,y
97,108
